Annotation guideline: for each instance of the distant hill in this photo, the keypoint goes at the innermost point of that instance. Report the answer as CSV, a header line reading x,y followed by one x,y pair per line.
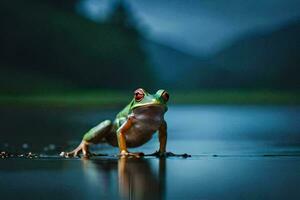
x,y
258,60
171,65
266,59
167,60
47,46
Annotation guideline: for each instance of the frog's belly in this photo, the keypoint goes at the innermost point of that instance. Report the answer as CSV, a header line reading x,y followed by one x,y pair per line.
x,y
142,130
137,136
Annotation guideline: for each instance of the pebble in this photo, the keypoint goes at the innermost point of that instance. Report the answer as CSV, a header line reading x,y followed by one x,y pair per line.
x,y
4,154
52,147
25,146
30,155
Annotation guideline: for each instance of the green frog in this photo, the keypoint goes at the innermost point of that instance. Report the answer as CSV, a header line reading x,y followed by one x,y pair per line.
x,y
132,127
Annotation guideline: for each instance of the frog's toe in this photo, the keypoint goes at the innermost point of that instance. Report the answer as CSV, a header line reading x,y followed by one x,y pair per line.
x,y
164,154
159,154
168,154
82,148
129,154
137,154
87,154
74,153
62,154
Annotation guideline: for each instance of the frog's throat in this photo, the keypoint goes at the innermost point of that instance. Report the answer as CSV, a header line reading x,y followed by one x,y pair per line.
x,y
156,103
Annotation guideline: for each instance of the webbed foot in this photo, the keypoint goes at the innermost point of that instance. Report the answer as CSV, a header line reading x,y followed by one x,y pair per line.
x,y
161,154
82,148
168,154
129,154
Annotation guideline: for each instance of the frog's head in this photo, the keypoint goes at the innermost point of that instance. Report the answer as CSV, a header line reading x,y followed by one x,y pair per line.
x,y
142,98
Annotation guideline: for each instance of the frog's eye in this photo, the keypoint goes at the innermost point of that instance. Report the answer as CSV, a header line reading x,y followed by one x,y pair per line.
x,y
139,94
165,95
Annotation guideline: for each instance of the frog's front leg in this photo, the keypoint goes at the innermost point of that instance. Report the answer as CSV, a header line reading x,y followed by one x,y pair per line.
x,y
121,132
93,136
162,136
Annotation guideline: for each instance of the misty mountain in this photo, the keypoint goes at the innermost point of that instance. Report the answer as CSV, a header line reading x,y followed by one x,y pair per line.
x,y
171,65
266,59
258,60
54,48
167,61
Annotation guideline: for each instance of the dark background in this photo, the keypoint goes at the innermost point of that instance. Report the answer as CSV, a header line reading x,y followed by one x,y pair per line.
x,y
89,45
231,68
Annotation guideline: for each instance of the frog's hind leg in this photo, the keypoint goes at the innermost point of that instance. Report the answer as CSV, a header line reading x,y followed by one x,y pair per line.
x,y
98,133
93,136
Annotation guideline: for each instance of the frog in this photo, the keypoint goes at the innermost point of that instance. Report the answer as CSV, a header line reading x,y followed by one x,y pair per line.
x,y
132,127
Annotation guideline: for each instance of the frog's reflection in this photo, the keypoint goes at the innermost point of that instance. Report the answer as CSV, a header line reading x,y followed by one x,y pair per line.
x,y
137,178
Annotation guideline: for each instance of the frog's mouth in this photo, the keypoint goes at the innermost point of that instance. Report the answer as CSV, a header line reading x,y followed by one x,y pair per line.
x,y
149,104
149,108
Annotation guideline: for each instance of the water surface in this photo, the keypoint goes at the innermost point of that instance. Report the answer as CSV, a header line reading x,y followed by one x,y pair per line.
x,y
238,152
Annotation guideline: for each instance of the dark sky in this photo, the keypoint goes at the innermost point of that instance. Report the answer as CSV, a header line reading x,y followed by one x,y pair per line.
x,y
202,27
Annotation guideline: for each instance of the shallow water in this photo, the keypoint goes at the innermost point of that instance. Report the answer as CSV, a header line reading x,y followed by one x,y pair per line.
x,y
238,152
194,178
